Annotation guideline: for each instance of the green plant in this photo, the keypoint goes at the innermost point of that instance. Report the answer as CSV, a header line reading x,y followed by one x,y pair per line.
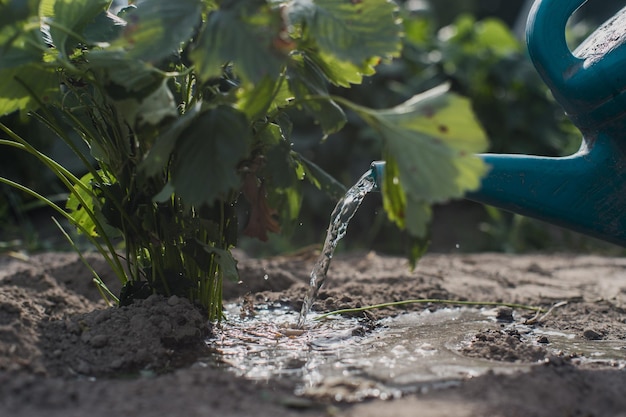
x,y
184,107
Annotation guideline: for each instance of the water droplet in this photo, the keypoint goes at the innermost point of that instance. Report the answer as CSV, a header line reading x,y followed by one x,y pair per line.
x,y
395,180
457,246
266,277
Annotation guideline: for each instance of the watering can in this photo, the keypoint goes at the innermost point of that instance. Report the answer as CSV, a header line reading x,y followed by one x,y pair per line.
x,y
586,191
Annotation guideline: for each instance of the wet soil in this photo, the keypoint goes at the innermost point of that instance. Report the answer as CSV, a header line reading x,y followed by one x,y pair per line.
x,y
63,352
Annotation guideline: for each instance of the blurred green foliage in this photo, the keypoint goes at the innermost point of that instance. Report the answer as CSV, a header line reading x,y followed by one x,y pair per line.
x,y
466,42
484,61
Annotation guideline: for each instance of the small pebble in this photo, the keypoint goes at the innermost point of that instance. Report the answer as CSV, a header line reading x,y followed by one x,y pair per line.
x,y
543,339
504,314
591,334
99,340
173,300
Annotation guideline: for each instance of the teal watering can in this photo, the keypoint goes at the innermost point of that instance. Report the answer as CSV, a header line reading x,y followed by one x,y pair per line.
x,y
586,191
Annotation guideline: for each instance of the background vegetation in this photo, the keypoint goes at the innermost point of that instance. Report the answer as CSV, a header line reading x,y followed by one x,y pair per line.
x,y
472,44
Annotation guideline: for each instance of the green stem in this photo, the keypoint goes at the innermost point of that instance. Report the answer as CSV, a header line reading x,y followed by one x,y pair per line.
x,y
430,301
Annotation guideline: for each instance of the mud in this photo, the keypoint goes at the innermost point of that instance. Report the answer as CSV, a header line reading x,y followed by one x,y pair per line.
x,y
64,353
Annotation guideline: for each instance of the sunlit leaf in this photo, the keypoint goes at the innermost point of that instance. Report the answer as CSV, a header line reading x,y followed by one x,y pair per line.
x,y
81,214
475,37
207,155
257,100
431,141
22,88
343,73
351,36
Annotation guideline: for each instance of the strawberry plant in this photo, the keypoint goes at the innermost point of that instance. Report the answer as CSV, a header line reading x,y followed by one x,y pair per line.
x,y
185,109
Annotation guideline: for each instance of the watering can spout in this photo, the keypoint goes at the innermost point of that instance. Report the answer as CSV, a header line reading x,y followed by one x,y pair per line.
x,y
585,192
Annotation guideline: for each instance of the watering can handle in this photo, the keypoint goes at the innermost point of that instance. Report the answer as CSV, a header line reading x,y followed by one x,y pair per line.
x,y
545,36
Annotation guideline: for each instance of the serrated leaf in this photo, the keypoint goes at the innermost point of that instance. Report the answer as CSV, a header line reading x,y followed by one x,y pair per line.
x,y
22,88
207,155
306,80
431,141
68,18
351,37
157,28
351,30
242,37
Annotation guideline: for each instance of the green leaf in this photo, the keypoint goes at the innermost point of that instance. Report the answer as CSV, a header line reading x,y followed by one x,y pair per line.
x,y
245,38
134,76
477,37
351,37
104,28
306,80
226,262
343,73
68,18
158,28
24,87
321,179
267,95
431,141
158,156
20,46
80,214
207,155
13,11
417,248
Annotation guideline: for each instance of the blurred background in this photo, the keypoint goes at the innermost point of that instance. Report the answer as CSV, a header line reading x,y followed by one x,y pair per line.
x,y
478,47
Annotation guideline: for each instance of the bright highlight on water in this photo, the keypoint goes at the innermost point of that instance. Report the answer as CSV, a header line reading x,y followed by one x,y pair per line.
x,y
339,219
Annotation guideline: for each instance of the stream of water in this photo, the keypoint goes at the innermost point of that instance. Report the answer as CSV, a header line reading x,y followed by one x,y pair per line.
x,y
339,219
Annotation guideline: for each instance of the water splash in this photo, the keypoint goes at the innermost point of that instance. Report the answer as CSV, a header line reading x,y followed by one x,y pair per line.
x,y
339,219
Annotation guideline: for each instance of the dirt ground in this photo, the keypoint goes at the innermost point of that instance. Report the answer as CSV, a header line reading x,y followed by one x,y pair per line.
x,y
64,353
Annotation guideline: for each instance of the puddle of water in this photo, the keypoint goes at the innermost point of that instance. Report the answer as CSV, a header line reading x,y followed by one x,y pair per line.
x,y
343,359
612,352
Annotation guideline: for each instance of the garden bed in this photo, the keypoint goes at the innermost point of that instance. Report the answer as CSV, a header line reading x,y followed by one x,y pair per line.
x,y
64,353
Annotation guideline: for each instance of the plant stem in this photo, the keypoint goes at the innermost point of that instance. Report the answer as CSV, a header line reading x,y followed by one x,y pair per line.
x,y
430,301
